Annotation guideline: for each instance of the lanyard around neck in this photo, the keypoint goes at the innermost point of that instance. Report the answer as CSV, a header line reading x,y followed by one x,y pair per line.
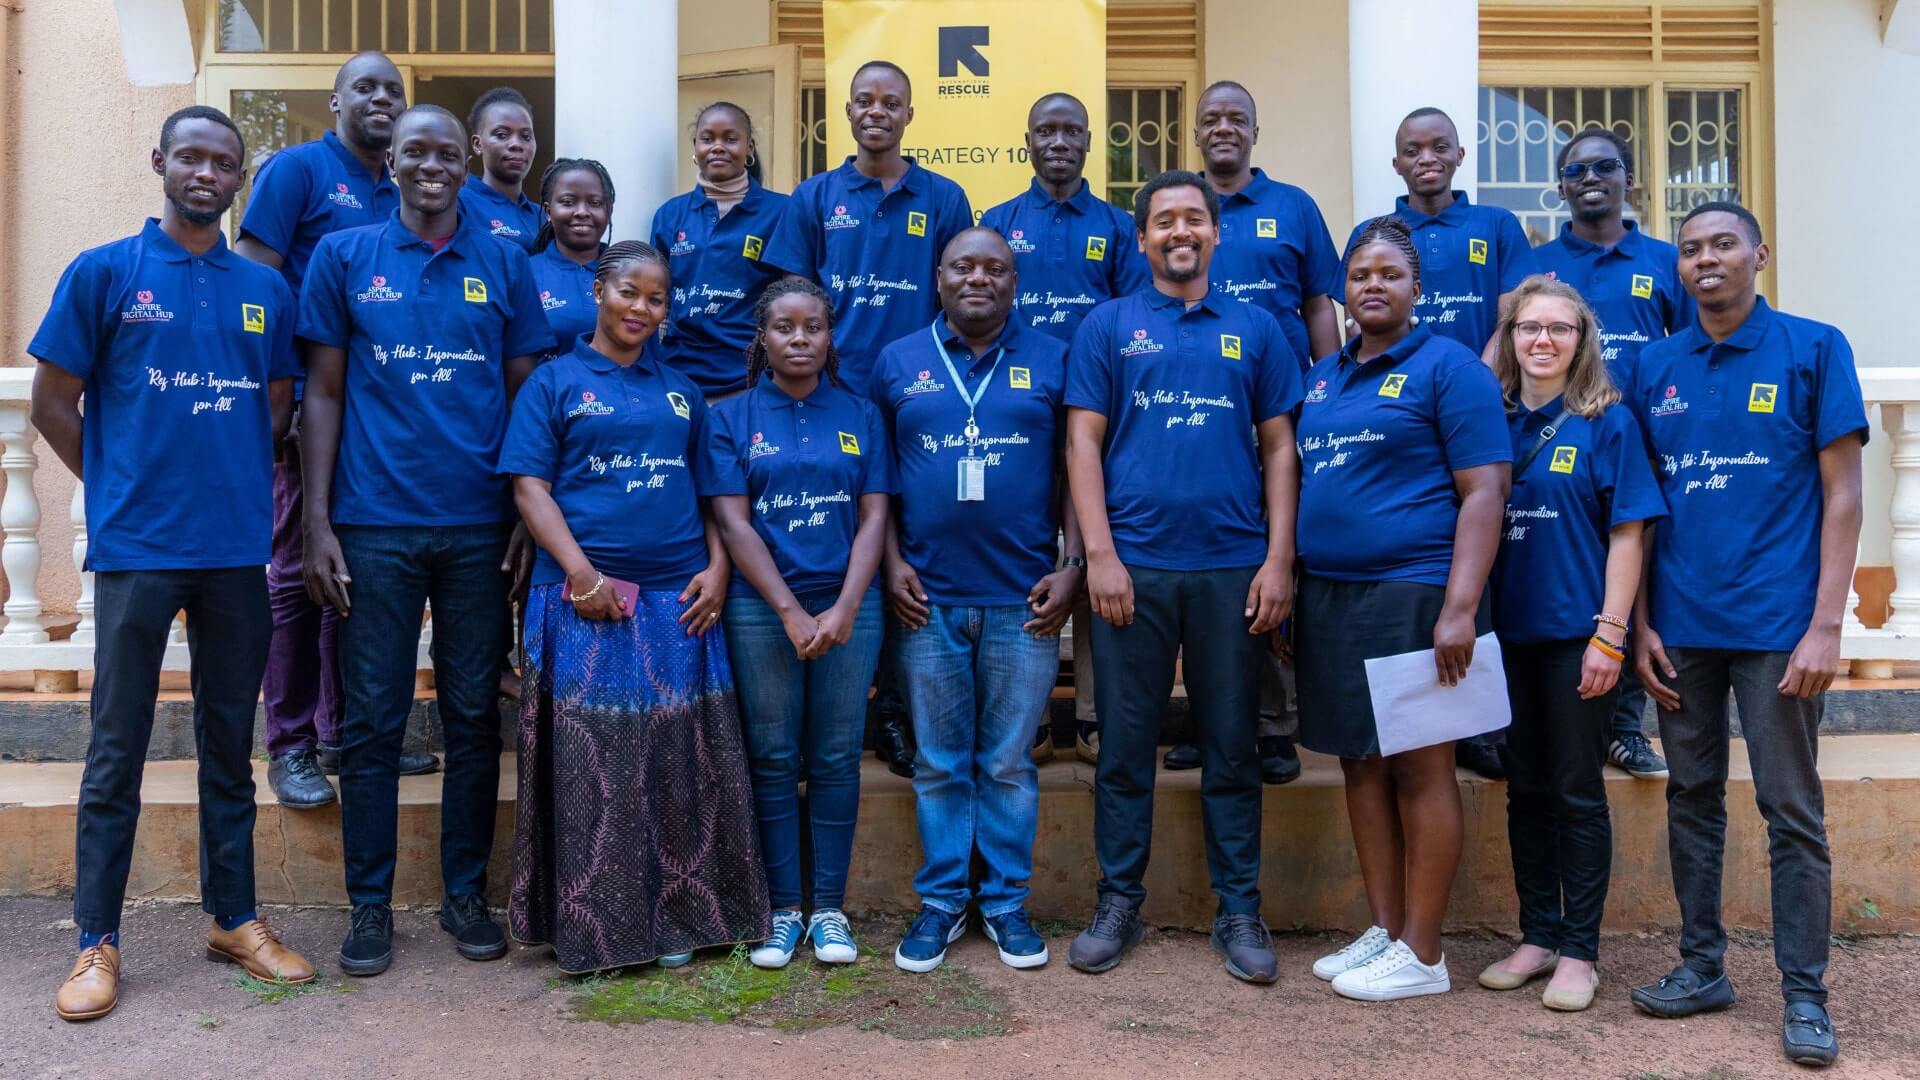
x,y
972,398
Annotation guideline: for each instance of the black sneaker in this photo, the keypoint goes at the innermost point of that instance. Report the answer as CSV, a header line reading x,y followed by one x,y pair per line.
x,y
1279,761
1480,758
1243,941
296,780
1633,754
474,932
893,745
1683,992
1806,1034
1181,757
368,949
1116,928
410,764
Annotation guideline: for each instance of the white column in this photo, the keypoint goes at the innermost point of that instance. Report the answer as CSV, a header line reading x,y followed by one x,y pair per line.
x,y
20,519
1902,423
1400,57
616,93
83,631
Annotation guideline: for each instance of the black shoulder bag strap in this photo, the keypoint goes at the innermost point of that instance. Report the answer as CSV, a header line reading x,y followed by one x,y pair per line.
x,y
1546,437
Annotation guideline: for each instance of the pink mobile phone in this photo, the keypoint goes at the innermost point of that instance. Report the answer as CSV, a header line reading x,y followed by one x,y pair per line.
x,y
627,593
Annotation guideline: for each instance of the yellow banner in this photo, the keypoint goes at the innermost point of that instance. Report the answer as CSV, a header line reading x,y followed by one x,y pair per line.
x,y
976,67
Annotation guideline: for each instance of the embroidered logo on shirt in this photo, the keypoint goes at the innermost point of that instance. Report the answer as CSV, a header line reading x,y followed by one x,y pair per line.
x,y
1017,240
144,309
1266,228
922,384
1318,393
1760,398
1019,378
752,246
342,196
1391,386
849,444
501,228
589,406
1669,405
1096,248
377,292
1140,345
550,302
680,407
840,219
760,447
1477,251
681,245
1230,346
916,223
1643,286
1563,459
253,318
476,291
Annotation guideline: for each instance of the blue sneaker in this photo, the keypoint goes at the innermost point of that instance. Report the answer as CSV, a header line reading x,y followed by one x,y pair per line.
x,y
925,945
781,944
832,938
1020,945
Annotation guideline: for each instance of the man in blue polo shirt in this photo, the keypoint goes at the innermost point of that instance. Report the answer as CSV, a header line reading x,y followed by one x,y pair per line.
x,y
1072,250
1632,282
184,355
1754,421
419,331
976,419
1185,480
338,181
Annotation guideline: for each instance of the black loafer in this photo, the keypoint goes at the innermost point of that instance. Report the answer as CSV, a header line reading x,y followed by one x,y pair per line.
x,y
894,747
368,949
1806,1034
474,932
1683,992
418,764
1480,758
1180,757
1279,761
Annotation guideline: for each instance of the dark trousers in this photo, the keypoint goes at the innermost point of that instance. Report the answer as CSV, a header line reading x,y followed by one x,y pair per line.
x,y
227,625
1195,617
396,571
301,691
1557,823
1783,740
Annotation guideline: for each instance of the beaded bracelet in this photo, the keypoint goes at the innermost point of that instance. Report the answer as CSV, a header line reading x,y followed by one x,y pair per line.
x,y
1607,648
1611,620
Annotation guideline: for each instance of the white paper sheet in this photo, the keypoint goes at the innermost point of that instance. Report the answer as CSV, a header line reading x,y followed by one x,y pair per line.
x,y
1411,709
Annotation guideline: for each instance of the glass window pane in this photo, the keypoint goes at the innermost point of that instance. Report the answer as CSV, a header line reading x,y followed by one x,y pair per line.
x,y
1143,138
813,131
1703,150
272,120
1521,131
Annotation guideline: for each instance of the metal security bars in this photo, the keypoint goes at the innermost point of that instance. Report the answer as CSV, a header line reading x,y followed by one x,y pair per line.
x,y
393,26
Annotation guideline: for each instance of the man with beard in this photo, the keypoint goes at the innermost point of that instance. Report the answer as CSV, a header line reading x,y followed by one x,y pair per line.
x,y
418,333
1185,479
338,181
172,341
1072,250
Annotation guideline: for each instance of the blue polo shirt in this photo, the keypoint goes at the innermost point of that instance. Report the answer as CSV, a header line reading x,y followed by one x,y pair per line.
x,y
1070,255
305,192
976,554
1550,579
427,335
803,466
1379,444
618,445
1633,288
1735,429
1275,251
875,251
177,437
566,295
1182,390
516,220
1469,255
716,281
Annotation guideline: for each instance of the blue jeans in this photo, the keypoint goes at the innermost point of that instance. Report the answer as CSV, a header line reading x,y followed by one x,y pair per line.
x,y
396,571
803,715
978,686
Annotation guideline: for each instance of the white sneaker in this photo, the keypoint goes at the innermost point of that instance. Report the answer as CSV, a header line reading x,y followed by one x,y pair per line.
x,y
1394,974
1359,951
778,949
832,938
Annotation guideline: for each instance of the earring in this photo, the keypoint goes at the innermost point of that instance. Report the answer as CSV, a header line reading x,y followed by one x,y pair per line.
x,y
1413,320
752,158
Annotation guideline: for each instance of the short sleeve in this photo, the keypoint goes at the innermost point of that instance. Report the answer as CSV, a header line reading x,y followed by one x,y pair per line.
x,y
324,318
878,475
280,192
527,331
877,393
956,216
532,446
1470,416
1320,270
1276,375
1681,311
657,231
1130,272
1517,260
76,330
284,361
795,244
1838,406
1627,480
719,471
1089,365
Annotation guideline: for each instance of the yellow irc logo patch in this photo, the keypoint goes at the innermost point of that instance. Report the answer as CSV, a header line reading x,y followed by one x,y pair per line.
x,y
1019,378
1563,457
1643,286
916,225
1230,346
1761,397
849,444
1391,386
1266,228
476,291
1096,248
680,407
253,318
752,247
1477,252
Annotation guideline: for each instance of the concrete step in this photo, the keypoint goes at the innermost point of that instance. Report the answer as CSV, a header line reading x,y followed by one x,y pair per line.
x,y
1309,877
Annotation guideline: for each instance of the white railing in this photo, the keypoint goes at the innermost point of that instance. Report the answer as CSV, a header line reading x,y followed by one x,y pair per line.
x,y
1892,509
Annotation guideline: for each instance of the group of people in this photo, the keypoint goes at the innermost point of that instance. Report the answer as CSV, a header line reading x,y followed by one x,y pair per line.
x,y
795,445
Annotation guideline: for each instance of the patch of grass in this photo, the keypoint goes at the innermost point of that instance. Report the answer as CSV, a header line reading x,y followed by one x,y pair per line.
x,y
1866,908
273,993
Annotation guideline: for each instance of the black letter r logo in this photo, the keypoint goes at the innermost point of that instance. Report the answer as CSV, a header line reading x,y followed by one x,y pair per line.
x,y
960,45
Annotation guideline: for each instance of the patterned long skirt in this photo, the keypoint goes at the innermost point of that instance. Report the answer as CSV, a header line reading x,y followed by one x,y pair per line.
x,y
635,834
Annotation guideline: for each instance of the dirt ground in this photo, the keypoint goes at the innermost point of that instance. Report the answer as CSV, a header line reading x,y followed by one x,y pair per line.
x,y
1167,1011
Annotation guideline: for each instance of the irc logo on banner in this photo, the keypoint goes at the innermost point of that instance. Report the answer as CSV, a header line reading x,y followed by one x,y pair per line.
x,y
960,47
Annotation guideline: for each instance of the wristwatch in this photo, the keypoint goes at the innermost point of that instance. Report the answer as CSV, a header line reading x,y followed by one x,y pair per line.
x,y
1074,560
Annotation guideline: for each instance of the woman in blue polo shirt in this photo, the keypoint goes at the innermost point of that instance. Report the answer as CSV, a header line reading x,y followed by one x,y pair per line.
x,y
1563,586
576,196
502,125
800,473
713,236
1404,465
634,839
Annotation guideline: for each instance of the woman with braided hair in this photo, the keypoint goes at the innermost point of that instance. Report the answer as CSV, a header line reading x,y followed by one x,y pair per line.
x,y
801,475
634,839
577,197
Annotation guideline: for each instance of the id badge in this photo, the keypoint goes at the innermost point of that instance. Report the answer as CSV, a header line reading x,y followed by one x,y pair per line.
x,y
973,480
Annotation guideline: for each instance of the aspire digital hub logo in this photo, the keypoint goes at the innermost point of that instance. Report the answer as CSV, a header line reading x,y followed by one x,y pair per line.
x,y
960,48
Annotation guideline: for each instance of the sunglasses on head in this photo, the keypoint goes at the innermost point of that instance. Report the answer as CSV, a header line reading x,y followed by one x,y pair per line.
x,y
1577,170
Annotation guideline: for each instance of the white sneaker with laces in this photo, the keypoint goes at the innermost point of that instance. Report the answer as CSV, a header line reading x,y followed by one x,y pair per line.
x,y
1394,974
832,938
1359,951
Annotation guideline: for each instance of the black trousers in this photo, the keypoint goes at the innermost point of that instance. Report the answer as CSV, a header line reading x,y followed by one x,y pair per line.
x,y
1195,617
1557,821
228,628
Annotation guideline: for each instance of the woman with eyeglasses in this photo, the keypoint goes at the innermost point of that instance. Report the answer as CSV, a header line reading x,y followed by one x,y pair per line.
x,y
1563,586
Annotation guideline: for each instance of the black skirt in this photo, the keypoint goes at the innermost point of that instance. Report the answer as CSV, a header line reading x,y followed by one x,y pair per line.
x,y
1337,627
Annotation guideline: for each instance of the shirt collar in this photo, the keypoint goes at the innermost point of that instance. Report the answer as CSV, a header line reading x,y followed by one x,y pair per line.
x,y
332,142
855,179
1544,413
1081,202
157,241
1401,350
1160,301
1454,215
396,234
1255,188
603,364
553,254
1629,244
773,397
1744,339
480,187
1007,339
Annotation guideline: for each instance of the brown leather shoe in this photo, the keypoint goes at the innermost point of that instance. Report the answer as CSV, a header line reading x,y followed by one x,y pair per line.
x,y
256,946
92,988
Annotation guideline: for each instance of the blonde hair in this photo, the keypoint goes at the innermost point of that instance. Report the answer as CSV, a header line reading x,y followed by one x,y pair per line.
x,y
1589,388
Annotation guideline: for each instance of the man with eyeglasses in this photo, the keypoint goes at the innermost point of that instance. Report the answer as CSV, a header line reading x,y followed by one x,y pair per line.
x,y
1632,282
